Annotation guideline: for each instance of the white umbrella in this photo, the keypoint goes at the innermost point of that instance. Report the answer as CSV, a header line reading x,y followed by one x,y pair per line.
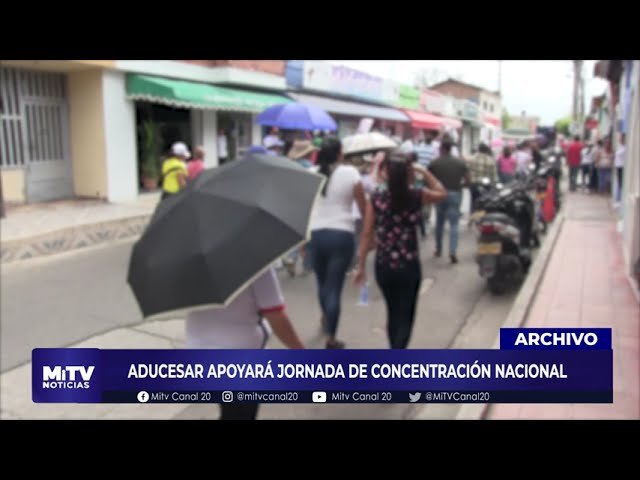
x,y
366,142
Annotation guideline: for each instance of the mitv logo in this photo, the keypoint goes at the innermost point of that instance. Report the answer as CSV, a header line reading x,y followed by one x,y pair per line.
x,y
71,376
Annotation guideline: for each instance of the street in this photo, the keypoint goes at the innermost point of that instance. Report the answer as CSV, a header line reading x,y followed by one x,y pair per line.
x,y
62,300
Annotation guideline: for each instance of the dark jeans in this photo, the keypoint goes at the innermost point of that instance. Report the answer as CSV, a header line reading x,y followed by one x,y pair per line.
x,y
448,209
332,254
422,226
474,190
238,411
307,262
573,176
586,172
604,180
593,179
619,173
505,177
356,240
400,290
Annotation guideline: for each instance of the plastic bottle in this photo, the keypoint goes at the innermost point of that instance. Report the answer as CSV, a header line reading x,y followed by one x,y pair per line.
x,y
364,294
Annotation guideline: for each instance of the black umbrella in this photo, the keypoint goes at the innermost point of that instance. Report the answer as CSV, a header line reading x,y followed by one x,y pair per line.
x,y
203,246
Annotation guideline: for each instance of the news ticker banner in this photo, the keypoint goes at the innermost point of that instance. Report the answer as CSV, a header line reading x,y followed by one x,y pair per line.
x,y
531,366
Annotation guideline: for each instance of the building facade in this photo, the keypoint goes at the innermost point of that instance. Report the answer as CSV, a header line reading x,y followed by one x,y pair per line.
x,y
71,128
618,113
482,122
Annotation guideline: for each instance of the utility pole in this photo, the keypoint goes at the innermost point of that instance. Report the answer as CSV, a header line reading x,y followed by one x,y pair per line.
x,y
577,82
582,94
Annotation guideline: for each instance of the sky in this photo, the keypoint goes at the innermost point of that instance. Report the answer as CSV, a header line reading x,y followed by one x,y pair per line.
x,y
541,88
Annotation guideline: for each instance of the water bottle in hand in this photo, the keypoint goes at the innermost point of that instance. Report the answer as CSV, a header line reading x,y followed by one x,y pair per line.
x,y
364,294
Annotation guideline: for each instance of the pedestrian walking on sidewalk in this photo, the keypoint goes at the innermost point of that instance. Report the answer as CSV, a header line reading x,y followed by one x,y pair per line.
x,y
223,150
602,163
246,323
300,153
174,170
195,166
452,172
573,160
586,166
391,217
332,232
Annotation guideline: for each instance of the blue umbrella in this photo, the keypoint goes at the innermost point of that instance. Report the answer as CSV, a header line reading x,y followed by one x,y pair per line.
x,y
297,116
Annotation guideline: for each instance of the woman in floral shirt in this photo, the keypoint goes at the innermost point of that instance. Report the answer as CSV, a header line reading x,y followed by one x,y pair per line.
x,y
392,215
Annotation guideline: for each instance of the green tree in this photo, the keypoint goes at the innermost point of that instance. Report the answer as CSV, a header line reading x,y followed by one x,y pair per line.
x,y
506,119
563,125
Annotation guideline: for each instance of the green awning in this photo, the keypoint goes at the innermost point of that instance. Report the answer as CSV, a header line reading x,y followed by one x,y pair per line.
x,y
183,94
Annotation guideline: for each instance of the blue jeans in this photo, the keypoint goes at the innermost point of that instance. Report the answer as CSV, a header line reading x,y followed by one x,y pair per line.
x,y
505,177
332,254
307,263
604,179
573,177
448,209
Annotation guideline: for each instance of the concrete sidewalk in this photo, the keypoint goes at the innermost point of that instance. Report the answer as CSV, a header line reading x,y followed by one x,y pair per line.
x,y
15,385
584,285
35,230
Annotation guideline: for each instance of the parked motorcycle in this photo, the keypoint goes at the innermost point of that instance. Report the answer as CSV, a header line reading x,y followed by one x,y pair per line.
x,y
507,226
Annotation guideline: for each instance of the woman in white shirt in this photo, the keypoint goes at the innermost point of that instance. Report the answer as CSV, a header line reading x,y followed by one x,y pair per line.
x,y
586,164
333,232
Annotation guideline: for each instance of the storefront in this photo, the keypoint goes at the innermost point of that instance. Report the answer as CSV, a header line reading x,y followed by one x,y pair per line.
x,y
621,107
424,124
468,112
212,111
490,129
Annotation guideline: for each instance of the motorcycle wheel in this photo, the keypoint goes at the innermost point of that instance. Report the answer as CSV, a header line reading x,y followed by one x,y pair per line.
x,y
497,285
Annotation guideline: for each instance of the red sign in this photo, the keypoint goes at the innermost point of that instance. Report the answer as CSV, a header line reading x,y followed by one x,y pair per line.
x,y
591,124
492,120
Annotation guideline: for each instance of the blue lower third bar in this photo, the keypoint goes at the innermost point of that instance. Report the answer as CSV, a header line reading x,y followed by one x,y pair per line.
x,y
357,397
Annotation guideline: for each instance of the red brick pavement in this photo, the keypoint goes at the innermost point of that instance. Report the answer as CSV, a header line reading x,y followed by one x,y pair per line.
x,y
584,285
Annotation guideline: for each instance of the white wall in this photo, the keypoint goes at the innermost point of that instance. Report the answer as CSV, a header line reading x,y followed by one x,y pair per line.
x,y
199,73
120,138
488,98
466,140
210,137
256,132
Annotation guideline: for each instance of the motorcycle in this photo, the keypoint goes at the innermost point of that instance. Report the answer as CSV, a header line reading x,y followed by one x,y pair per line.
x,y
507,229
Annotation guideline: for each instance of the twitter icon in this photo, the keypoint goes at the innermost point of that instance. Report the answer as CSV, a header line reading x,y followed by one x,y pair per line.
x,y
414,397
